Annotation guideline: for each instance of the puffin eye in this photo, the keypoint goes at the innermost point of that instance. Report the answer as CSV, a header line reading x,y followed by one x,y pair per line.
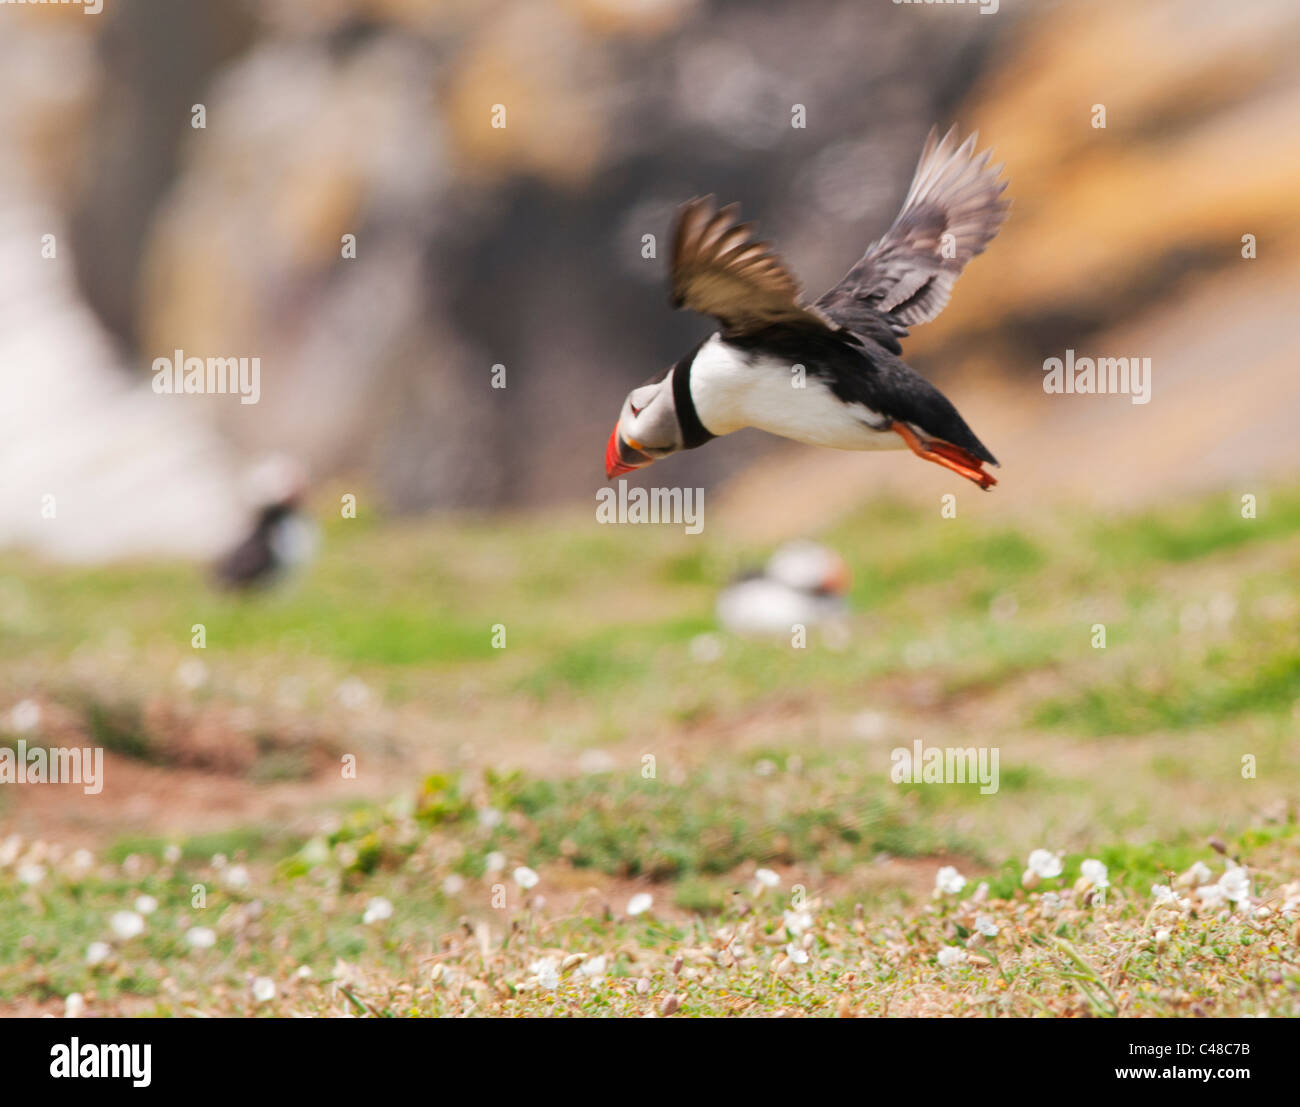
x,y
647,395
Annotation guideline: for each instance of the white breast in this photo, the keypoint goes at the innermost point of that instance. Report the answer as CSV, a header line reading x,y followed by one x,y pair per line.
x,y
730,394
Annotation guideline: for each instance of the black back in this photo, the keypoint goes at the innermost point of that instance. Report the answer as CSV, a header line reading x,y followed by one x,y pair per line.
x,y
253,562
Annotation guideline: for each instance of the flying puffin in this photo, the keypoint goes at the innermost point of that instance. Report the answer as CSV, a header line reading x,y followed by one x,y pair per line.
x,y
803,583
828,373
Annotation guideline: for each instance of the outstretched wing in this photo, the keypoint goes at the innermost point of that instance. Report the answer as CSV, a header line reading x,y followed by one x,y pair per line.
x,y
718,269
951,213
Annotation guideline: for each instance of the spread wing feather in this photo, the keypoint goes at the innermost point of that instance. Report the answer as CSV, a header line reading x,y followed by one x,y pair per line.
x,y
952,211
719,269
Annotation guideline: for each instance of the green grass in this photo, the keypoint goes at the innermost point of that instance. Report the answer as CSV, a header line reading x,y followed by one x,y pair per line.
x,y
964,633
299,923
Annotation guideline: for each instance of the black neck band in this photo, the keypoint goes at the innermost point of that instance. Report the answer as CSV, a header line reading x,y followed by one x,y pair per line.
x,y
694,433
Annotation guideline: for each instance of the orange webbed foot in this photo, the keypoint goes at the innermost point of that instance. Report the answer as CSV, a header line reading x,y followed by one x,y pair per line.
x,y
959,460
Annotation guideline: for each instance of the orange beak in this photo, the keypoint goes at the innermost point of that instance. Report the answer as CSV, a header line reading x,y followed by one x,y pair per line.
x,y
620,457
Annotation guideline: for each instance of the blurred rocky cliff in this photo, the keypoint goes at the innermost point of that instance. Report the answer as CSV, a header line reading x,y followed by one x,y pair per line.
x,y
476,245
522,245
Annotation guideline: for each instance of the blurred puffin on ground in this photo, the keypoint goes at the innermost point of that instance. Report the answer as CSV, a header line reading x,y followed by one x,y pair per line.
x,y
282,540
802,584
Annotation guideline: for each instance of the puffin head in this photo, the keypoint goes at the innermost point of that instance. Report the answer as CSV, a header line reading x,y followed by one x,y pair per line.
x,y
647,428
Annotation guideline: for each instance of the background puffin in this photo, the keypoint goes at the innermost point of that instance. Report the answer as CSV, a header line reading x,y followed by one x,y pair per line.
x,y
830,373
803,583
282,538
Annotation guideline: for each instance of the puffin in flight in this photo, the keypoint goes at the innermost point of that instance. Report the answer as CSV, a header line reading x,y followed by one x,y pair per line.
x,y
828,373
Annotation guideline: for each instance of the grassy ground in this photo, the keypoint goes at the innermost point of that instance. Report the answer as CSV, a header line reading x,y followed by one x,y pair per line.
x,y
618,747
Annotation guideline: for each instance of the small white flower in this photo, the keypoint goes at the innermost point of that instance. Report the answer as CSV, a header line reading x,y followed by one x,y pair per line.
x,y
797,955
593,967
489,817
950,956
548,973
869,725
767,878
236,877
1095,873
1162,893
316,851
525,877
25,716
1212,895
377,910
201,937
453,885
1162,937
29,872
595,761
640,903
172,853
1045,864
1222,607
706,648
948,881
494,862
97,953
353,694
264,989
1200,873
986,926
218,860
1235,883
1050,904
127,924
146,905
74,1006
82,860
303,972
796,922
192,674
